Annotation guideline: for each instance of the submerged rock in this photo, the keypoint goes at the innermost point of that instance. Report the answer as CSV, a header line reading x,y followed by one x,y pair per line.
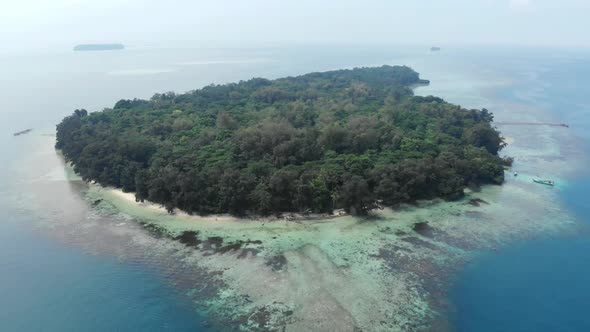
x,y
189,238
423,229
277,262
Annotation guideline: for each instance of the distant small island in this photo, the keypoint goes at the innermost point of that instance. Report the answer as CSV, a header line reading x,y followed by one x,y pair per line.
x,y
353,139
99,47
435,49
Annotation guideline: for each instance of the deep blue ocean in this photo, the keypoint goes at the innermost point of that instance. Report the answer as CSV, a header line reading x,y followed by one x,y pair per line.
x,y
48,284
48,287
543,284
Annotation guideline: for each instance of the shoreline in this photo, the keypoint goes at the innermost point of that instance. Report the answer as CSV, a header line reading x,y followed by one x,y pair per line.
x,y
399,266
406,258
283,216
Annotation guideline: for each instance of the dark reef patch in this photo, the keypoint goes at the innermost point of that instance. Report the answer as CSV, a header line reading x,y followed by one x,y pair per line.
x,y
419,242
475,214
272,317
215,244
189,238
277,263
400,233
154,230
244,253
477,202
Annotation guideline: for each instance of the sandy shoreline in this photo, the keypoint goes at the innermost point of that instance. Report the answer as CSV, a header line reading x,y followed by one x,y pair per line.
x,y
130,198
285,216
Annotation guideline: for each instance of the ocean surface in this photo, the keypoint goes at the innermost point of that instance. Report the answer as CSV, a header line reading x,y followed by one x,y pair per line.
x,y
540,285
60,272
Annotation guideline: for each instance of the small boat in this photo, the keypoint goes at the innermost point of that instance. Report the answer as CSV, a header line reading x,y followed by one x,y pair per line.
x,y
22,132
546,182
515,174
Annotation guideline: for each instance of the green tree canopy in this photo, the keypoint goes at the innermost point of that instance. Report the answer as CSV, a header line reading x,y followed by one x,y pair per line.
x,y
351,139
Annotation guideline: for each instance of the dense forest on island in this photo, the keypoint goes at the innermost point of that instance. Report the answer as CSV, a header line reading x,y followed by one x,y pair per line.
x,y
353,139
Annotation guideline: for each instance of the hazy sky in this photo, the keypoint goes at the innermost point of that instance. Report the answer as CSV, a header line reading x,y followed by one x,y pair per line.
x,y
24,23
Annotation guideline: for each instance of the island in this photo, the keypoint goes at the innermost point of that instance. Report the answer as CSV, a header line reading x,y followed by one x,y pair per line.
x,y
99,47
354,139
435,49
